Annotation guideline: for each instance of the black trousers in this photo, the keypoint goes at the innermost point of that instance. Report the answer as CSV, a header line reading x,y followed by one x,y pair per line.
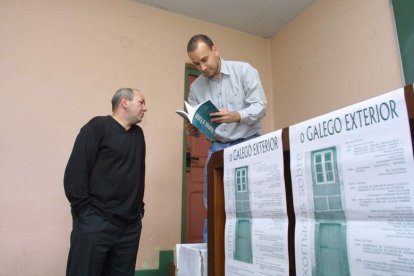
x,y
100,248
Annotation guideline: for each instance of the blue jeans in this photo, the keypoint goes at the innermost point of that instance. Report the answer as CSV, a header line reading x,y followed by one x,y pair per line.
x,y
216,146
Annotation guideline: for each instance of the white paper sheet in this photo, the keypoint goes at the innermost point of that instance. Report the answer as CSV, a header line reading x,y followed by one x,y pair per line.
x,y
353,187
255,203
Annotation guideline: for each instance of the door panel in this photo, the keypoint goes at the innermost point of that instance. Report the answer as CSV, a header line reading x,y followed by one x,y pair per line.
x,y
194,186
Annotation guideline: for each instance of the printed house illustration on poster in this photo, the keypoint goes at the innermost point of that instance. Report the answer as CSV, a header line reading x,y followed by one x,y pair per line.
x,y
243,243
330,221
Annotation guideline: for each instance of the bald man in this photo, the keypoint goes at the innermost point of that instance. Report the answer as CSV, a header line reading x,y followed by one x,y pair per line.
x,y
104,182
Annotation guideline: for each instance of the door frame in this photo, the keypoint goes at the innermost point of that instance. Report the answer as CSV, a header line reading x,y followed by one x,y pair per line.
x,y
189,70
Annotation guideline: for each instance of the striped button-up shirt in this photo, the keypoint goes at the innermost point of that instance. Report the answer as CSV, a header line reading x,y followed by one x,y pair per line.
x,y
238,89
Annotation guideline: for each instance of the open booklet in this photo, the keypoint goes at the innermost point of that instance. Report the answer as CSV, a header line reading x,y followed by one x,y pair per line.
x,y
199,116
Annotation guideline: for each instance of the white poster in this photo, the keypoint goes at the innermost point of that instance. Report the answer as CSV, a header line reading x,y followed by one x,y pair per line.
x,y
353,190
255,203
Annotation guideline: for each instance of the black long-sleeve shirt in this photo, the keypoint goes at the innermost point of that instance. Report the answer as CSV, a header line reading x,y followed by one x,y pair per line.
x,y
106,170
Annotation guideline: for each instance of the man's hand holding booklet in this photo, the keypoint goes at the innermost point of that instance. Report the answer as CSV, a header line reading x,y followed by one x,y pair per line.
x,y
199,116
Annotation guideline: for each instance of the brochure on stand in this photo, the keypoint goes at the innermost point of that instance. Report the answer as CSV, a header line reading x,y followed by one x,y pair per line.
x,y
350,185
353,190
199,116
256,231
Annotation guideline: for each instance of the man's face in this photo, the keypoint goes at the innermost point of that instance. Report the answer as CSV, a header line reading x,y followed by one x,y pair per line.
x,y
206,60
137,107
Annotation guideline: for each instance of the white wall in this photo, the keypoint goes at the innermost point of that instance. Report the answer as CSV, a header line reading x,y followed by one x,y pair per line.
x,y
334,54
60,63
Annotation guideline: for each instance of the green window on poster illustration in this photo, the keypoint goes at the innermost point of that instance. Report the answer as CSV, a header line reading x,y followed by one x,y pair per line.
x,y
243,242
330,222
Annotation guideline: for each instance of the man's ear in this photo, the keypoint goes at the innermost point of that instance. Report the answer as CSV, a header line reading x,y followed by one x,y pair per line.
x,y
215,50
124,102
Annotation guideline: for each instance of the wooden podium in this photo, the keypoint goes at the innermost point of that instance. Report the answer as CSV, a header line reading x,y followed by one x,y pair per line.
x,y
216,212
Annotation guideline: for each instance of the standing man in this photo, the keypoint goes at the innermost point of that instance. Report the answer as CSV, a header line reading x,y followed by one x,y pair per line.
x,y
235,88
104,182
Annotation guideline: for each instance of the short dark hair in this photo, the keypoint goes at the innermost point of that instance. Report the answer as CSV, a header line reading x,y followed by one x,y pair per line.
x,y
120,94
193,42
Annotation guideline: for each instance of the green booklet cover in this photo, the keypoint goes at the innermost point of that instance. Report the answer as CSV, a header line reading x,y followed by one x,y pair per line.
x,y
199,116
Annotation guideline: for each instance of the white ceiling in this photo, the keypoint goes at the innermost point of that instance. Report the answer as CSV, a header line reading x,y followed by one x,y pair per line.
x,y
259,17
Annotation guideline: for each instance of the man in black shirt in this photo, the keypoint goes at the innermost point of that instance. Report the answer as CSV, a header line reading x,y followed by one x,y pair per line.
x,y
104,182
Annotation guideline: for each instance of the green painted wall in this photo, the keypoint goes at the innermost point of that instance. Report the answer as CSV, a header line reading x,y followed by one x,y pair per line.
x,y
404,21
